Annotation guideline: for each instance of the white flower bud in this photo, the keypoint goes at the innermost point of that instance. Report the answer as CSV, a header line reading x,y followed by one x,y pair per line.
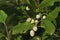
x,y
36,21
32,33
44,17
32,21
27,8
35,28
38,16
28,20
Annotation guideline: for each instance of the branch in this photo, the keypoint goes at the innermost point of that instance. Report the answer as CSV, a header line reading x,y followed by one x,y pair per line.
x,y
8,36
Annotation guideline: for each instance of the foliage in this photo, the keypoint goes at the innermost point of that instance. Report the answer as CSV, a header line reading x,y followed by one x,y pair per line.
x,y
18,18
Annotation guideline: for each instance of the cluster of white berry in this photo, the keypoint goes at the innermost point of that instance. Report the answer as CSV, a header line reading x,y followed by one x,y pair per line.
x,y
32,32
35,28
31,20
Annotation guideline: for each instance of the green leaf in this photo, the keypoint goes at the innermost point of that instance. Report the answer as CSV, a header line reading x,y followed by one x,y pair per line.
x,y
3,16
36,38
1,35
54,13
19,38
58,0
49,27
42,25
45,4
22,7
22,28
33,2
25,1
28,1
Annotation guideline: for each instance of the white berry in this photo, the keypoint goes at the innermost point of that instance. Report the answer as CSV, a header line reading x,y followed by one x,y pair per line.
x,y
27,8
35,28
32,33
32,21
44,17
36,21
28,20
38,16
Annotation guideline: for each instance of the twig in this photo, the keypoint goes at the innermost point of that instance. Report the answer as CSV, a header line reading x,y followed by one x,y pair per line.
x,y
8,37
17,2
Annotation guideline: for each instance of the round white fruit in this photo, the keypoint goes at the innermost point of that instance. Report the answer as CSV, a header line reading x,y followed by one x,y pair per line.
x,y
44,17
38,16
36,21
35,28
28,20
27,8
32,21
32,33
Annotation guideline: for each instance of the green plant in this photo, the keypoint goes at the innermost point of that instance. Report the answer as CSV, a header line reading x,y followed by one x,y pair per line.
x,y
29,19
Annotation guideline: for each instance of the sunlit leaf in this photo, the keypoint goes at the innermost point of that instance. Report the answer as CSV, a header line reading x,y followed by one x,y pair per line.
x,y
3,16
50,28
46,3
22,28
54,13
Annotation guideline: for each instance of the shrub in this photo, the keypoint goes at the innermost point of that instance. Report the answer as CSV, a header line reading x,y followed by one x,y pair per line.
x,y
29,19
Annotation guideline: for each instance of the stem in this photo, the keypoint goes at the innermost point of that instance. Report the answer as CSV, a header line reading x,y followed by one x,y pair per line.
x,y
8,37
17,2
38,1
